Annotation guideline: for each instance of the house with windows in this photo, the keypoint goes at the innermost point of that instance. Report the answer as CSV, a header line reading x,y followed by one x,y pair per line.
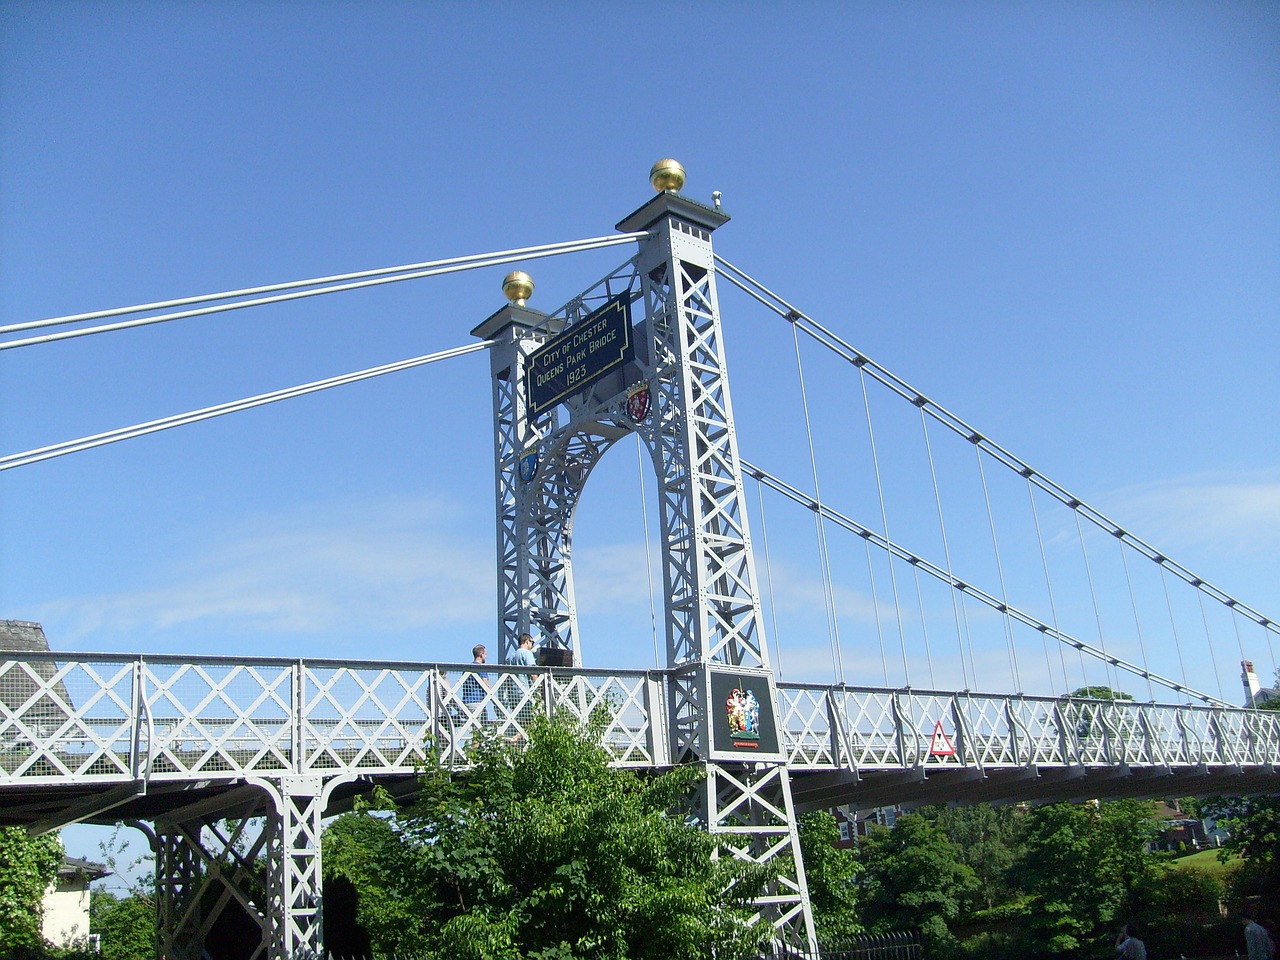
x,y
66,902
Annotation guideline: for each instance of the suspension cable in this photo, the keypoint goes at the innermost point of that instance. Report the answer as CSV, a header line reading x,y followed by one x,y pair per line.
x,y
1208,636
454,265
768,573
1048,584
1108,673
824,557
875,610
924,627
1173,623
1004,591
884,522
896,550
843,349
946,554
235,406
648,557
1235,623
1137,619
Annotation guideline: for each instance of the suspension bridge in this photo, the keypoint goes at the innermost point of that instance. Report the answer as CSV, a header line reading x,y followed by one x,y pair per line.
x,y
1011,642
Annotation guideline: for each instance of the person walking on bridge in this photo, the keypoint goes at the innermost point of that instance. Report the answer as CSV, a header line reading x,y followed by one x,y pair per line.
x,y
521,700
475,688
523,657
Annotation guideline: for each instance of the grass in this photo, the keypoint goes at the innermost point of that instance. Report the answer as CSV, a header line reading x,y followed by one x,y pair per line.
x,y
1207,861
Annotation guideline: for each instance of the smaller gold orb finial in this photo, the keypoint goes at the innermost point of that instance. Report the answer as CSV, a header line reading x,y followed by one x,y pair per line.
x,y
518,287
667,175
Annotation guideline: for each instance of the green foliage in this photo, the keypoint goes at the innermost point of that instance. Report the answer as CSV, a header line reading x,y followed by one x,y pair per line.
x,y
1083,862
1099,693
127,926
915,878
27,866
1254,825
1178,909
831,873
544,851
989,840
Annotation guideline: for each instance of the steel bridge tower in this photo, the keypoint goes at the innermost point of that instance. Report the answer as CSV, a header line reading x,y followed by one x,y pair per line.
x,y
566,387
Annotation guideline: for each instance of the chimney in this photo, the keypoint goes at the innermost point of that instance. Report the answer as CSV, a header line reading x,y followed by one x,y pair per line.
x,y
1250,680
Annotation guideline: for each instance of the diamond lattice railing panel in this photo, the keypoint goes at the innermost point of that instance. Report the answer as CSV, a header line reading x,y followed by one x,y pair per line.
x,y
66,719
1037,729
1125,718
1162,723
1264,734
987,721
220,717
628,730
1197,731
930,730
872,728
1090,731
806,732
366,718
1251,734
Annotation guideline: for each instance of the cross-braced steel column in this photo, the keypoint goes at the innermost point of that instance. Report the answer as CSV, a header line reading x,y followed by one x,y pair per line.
x,y
674,394
260,850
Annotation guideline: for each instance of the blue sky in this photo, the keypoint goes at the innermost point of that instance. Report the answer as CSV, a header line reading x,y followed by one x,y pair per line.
x,y
1059,221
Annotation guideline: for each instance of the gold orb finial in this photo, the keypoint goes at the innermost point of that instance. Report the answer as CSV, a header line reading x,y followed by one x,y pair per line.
x,y
518,287
667,174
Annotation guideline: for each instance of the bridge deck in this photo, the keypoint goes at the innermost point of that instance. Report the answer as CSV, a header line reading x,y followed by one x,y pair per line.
x,y
104,737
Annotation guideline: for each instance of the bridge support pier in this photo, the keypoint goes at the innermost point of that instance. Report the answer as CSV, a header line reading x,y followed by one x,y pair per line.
x,y
257,852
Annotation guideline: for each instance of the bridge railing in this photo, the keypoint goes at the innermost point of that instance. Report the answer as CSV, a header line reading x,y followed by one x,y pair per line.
x,y
870,727
108,717
99,716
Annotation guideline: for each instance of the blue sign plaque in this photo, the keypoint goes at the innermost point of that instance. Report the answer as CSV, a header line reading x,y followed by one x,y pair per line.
x,y
580,356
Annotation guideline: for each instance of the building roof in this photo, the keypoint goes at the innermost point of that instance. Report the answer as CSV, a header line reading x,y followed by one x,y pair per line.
x,y
1265,695
18,681
74,866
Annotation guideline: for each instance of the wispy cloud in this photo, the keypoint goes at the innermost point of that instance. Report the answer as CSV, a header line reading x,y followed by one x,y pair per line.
x,y
1235,516
352,567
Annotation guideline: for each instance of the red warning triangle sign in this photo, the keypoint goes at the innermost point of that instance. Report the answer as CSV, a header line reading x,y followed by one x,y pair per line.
x,y
941,746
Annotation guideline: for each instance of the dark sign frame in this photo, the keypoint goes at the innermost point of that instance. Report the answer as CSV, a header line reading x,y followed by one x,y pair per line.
x,y
580,356
743,715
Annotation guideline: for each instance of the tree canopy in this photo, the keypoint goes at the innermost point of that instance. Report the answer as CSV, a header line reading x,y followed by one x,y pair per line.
x,y
27,866
1082,863
1254,827
915,879
543,851
832,875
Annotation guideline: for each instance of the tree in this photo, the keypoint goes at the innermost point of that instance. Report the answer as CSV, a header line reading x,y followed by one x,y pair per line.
x,y
543,851
915,879
989,840
831,873
1099,693
27,866
127,926
1082,865
1254,827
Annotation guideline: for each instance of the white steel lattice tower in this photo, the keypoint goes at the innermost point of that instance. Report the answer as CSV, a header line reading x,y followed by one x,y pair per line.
x,y
671,388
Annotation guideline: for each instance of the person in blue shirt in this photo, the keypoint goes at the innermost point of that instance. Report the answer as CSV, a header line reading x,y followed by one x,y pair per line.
x,y
523,657
475,688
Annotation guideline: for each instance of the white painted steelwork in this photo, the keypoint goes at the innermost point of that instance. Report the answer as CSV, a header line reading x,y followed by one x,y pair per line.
x,y
103,719
685,423
274,745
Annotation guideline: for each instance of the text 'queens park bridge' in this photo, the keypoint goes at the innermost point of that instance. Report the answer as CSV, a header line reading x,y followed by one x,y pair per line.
x,y
944,561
